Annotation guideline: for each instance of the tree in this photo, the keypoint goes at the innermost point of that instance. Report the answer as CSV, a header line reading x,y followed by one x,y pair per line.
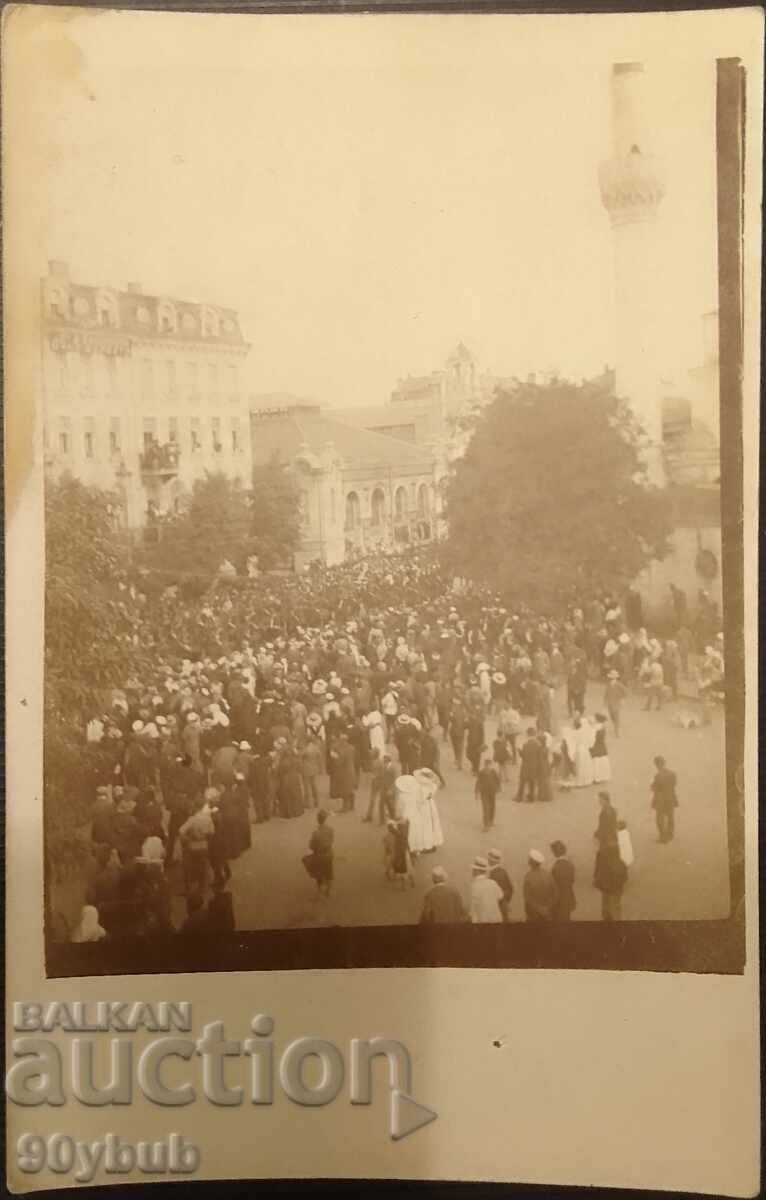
x,y
551,497
222,520
276,514
89,644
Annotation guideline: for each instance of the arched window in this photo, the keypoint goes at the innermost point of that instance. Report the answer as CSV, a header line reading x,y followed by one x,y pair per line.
x,y
106,309
378,506
400,503
209,322
352,510
167,317
57,306
423,500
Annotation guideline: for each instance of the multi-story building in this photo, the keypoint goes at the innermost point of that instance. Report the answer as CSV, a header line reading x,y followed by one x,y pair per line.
x,y
143,394
428,409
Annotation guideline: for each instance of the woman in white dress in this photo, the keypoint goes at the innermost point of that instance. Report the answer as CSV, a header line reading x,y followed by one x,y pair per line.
x,y
375,730
583,739
432,835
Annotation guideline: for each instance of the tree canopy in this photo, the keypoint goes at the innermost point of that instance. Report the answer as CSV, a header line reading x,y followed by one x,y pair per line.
x,y
223,520
552,497
89,643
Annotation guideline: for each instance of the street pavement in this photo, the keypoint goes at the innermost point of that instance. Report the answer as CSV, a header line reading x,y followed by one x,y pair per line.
x,y
683,880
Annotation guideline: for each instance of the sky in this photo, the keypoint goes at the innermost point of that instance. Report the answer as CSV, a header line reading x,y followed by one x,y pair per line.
x,y
366,191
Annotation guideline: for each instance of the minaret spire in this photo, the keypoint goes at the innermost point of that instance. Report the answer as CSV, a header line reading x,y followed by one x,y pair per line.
x,y
632,187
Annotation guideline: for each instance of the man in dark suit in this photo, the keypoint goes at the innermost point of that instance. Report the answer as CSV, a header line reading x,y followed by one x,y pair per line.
x,y
442,903
530,766
664,801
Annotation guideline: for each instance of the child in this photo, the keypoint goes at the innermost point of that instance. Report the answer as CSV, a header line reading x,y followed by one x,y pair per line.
x,y
602,769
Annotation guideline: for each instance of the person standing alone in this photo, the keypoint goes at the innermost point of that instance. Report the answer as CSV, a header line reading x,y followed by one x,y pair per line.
x,y
664,800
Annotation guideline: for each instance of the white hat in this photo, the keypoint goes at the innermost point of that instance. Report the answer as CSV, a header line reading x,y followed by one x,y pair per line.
x,y
160,720
480,863
403,719
192,717
499,677
495,856
536,857
137,726
151,730
319,687
624,638
613,675
245,746
483,666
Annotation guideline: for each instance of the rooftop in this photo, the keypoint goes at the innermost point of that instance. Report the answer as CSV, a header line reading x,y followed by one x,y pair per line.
x,y
283,433
131,310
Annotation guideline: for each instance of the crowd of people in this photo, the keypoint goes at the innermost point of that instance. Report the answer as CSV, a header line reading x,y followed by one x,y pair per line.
x,y
280,695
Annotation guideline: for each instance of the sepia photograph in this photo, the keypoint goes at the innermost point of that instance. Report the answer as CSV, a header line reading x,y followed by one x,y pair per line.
x,y
392,452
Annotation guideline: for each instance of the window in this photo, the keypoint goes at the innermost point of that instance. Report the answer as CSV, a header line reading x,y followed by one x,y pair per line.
x,y
63,373
64,435
209,323
149,432
193,380
378,506
212,379
400,503
423,500
332,506
110,368
235,435
196,441
90,443
170,377
173,429
56,304
106,309
215,427
352,510
167,319
114,436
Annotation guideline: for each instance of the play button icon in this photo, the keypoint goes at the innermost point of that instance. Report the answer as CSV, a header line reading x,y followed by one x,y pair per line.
x,y
407,1115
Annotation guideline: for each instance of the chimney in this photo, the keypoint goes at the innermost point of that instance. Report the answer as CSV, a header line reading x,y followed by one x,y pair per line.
x,y
135,289
58,268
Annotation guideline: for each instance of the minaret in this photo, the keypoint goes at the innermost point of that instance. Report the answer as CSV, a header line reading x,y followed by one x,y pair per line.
x,y
632,186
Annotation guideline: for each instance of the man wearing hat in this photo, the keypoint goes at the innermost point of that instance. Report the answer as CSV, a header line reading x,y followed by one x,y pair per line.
x,y
487,787
442,903
501,877
486,894
614,694
539,889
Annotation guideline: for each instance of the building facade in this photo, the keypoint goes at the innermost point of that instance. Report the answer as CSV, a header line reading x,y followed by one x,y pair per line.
x,y
143,394
360,491
428,410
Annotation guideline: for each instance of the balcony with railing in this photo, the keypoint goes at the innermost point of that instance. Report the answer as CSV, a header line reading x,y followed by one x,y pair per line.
x,y
160,460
